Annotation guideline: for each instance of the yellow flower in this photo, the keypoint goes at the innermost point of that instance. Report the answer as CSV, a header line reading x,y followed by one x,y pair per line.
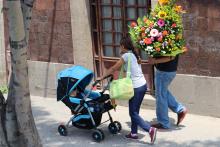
x,y
179,9
162,14
163,2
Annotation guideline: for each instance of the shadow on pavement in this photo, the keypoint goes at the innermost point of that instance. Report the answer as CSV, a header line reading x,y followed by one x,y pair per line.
x,y
47,128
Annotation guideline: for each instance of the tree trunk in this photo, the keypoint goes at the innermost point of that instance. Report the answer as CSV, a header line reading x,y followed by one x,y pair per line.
x,y
18,121
3,142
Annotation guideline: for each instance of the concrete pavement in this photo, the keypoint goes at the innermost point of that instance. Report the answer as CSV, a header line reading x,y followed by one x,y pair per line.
x,y
195,131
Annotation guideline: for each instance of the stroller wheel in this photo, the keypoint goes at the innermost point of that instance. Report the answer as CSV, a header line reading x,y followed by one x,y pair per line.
x,y
62,130
118,124
113,128
98,135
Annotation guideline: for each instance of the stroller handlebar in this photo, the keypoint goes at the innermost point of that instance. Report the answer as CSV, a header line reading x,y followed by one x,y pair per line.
x,y
95,83
98,81
109,76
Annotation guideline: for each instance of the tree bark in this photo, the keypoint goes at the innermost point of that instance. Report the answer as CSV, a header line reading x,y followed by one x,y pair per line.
x,y
27,6
18,123
3,142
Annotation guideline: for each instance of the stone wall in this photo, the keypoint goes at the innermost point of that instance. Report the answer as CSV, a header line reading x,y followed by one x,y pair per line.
x,y
51,34
42,75
81,33
200,94
202,34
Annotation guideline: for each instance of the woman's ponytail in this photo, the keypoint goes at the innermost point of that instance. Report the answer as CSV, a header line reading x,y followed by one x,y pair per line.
x,y
127,43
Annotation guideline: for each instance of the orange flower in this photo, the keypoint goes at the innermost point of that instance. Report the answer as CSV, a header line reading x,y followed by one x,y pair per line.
x,y
143,35
157,49
179,9
142,29
185,49
133,24
169,41
165,33
163,2
147,41
151,25
145,20
179,36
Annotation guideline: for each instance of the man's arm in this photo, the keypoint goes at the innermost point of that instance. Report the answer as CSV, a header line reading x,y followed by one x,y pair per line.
x,y
160,60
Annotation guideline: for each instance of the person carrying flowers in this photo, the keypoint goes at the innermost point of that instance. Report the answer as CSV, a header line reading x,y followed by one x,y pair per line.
x,y
139,84
160,36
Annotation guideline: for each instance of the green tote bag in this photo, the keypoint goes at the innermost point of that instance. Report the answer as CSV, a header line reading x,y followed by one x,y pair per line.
x,y
122,88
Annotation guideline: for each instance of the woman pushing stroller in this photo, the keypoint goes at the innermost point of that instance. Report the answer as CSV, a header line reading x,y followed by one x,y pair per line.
x,y
139,85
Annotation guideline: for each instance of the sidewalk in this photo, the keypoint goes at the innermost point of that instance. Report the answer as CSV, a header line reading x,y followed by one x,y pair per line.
x,y
195,131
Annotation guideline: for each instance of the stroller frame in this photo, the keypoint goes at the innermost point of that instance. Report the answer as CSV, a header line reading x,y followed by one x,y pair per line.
x,y
79,108
83,105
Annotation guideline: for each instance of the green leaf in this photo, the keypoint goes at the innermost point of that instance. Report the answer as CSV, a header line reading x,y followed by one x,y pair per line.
x,y
174,53
139,21
4,89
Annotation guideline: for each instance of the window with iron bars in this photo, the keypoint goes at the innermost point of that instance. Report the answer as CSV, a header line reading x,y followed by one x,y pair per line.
x,y
110,20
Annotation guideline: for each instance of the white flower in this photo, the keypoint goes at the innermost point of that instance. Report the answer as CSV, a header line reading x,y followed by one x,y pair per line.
x,y
154,32
172,31
149,48
147,30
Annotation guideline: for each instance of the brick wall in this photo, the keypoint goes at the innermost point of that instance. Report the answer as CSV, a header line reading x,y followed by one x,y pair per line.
x,y
50,34
202,34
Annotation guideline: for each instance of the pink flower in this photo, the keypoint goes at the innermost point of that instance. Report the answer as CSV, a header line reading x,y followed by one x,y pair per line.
x,y
173,25
152,38
154,32
159,34
160,39
161,22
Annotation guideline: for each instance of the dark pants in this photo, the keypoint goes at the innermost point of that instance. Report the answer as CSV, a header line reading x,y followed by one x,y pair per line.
x,y
134,108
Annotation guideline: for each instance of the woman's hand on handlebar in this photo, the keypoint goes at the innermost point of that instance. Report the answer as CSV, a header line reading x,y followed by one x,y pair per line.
x,y
98,80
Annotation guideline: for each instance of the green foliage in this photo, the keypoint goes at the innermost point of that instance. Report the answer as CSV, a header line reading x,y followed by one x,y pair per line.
x,y
4,89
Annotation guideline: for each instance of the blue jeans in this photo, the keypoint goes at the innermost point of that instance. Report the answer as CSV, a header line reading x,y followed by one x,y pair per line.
x,y
164,99
134,108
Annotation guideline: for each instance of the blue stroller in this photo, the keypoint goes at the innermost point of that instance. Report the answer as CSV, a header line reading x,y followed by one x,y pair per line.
x,y
87,106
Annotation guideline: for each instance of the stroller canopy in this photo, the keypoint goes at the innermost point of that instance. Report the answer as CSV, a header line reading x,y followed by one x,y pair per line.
x,y
70,78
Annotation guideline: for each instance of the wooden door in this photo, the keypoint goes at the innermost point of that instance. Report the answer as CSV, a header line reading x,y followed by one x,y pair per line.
x,y
109,22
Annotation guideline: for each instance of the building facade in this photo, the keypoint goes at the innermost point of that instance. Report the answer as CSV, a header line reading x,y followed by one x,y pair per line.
x,y
87,32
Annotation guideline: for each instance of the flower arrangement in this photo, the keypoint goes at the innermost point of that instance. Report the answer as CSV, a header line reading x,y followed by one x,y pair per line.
x,y
160,34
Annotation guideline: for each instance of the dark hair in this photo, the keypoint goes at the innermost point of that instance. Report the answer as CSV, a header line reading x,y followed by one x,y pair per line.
x,y
127,43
